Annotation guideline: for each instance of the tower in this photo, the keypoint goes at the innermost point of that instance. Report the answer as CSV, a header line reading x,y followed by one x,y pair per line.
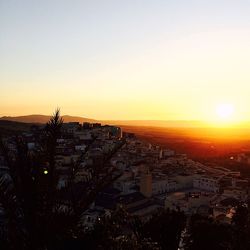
x,y
146,184
161,154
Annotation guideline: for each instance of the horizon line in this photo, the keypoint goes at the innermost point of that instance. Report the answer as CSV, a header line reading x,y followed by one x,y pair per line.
x,y
127,120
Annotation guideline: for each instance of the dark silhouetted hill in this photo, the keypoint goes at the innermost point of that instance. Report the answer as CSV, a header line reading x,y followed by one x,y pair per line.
x,y
44,118
67,118
141,123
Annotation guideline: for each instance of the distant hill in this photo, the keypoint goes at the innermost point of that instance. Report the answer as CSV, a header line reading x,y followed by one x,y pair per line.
x,y
44,118
67,118
145,123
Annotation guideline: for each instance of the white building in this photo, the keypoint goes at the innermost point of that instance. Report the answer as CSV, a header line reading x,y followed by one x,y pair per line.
x,y
206,183
163,186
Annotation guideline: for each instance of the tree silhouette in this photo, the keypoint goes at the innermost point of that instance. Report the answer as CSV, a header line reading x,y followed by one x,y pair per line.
x,y
205,233
241,226
165,227
30,199
118,232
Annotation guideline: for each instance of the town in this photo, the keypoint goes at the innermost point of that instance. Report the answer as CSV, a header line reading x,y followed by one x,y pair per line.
x,y
142,177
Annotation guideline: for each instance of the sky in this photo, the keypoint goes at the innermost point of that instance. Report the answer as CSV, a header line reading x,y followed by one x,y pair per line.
x,y
125,60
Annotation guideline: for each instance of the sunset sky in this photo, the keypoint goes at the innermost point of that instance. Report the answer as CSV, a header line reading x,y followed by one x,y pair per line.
x,y
130,59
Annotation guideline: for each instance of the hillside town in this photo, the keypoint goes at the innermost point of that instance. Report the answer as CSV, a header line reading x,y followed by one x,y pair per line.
x,y
145,177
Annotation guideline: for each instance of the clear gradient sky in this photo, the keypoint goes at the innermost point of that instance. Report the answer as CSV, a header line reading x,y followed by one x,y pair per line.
x,y
125,59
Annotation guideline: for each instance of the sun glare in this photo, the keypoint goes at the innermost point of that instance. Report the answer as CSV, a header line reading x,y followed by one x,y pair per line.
x,y
225,111
226,115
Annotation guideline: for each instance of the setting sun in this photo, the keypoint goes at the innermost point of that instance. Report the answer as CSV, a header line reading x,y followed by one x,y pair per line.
x,y
225,111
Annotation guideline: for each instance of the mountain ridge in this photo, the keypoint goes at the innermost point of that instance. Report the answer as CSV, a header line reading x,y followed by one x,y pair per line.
x,y
37,118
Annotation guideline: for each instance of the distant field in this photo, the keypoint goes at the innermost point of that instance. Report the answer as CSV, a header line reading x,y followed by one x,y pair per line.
x,y
196,142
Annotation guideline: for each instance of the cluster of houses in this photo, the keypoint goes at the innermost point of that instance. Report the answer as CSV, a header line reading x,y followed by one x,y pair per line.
x,y
156,178
150,177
